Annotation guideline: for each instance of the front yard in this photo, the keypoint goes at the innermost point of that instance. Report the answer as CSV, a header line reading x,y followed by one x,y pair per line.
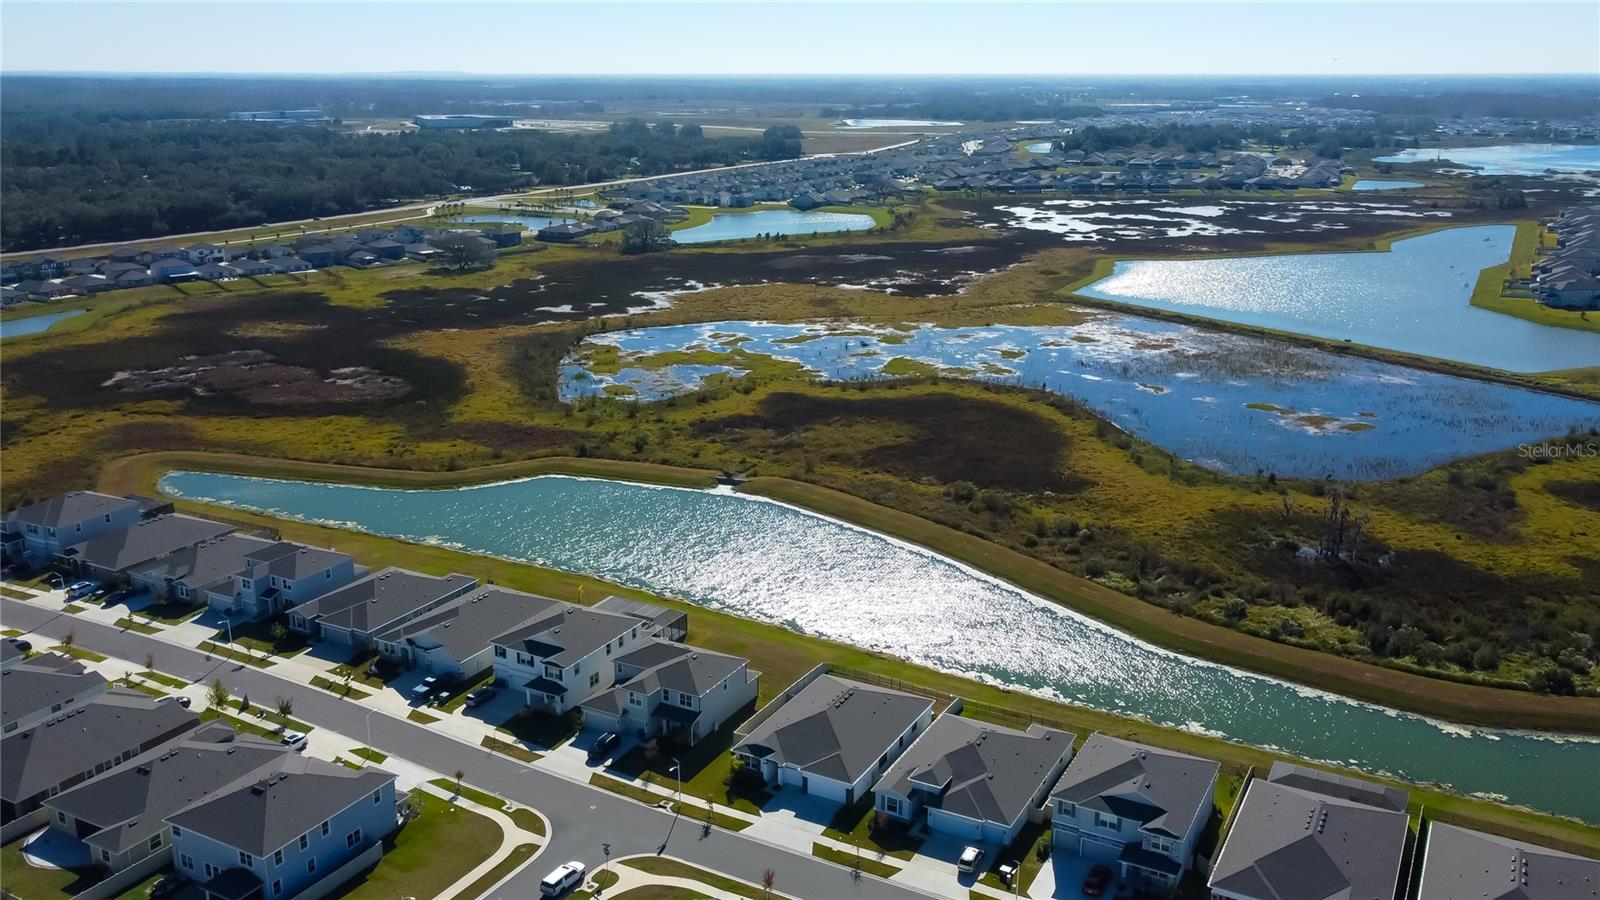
x,y
858,824
428,854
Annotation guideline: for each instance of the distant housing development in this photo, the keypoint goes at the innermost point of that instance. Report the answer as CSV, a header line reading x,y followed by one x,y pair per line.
x,y
1567,276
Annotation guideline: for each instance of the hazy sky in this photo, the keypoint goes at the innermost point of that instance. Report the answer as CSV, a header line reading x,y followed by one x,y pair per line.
x,y
814,38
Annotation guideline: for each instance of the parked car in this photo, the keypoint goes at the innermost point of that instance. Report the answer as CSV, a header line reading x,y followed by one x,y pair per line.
x,y
176,698
1096,882
604,744
970,859
81,589
168,886
482,695
425,689
21,645
294,740
565,877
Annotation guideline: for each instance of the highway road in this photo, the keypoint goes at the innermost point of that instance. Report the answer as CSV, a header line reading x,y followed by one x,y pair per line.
x,y
581,817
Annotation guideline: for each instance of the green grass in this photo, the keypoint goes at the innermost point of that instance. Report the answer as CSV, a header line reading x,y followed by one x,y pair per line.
x,y
161,678
369,754
145,689
171,613
128,624
520,854
80,653
671,868
691,813
515,751
526,819
343,689
1024,850
849,860
30,883
10,632
417,715
428,854
14,594
257,636
1487,293
141,890
707,766
854,824
241,724
541,730
230,653
73,609
456,694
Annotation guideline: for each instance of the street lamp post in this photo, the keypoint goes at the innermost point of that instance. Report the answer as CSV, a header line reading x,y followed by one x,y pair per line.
x,y
678,771
606,849
364,756
1016,878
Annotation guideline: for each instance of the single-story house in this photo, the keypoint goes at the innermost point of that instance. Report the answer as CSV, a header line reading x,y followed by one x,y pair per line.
x,y
973,780
1458,862
664,688
170,270
565,232
41,687
357,612
832,738
1138,808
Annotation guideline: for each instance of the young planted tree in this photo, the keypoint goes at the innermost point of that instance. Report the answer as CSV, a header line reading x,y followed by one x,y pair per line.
x,y
216,695
285,706
459,775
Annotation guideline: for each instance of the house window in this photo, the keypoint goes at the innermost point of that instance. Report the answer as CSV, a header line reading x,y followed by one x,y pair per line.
x,y
311,866
246,860
277,857
499,652
594,679
155,841
177,832
377,797
552,671
353,838
186,860
635,700
61,817
105,856
1161,844
325,828
277,887
1107,821
305,840
892,805
211,870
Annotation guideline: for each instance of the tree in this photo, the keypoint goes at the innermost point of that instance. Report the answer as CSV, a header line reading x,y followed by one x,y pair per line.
x,y
646,236
767,878
464,250
278,631
459,775
216,695
149,662
690,130
70,639
285,706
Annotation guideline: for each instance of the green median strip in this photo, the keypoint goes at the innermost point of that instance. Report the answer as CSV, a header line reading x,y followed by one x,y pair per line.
x,y
168,680
689,813
127,624
671,868
515,751
14,594
73,609
853,861
525,818
369,754
343,689
417,715
216,649
79,653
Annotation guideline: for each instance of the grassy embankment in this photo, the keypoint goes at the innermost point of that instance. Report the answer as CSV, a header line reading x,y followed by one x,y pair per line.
x,y
784,655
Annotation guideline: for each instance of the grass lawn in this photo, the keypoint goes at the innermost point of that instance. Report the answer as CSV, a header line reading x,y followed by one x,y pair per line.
x,y
14,594
145,689
849,860
520,854
691,813
128,624
659,892
343,689
369,754
11,632
80,653
671,868
73,609
26,882
515,751
854,825
456,695
428,854
357,666
160,678
417,715
1487,292
241,724
1026,849
543,731
258,637
706,769
230,653
141,890
171,613
525,818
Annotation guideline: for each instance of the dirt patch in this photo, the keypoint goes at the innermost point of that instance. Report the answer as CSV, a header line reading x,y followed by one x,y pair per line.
x,y
509,437
923,437
1578,493
257,377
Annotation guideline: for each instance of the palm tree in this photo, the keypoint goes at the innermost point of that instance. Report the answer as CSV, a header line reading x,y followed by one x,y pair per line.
x,y
767,878
459,775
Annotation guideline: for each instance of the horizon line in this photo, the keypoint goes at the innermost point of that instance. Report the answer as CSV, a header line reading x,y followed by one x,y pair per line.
x,y
424,73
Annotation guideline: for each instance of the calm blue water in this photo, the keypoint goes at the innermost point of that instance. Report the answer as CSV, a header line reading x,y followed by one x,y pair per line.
x,y
1185,389
1040,147
532,223
1415,298
782,565
895,123
1381,184
34,324
733,226
1508,159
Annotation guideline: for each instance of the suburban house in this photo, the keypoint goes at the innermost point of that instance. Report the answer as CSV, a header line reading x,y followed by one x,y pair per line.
x,y
832,738
563,656
33,690
668,688
357,612
120,815
40,762
1140,809
1458,862
973,780
41,531
107,556
1305,833
281,830
10,656
455,639
661,621
246,576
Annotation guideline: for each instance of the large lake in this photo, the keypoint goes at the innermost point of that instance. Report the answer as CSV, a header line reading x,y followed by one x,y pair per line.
x,y
1508,159
1415,298
1383,184
811,574
1229,402
734,226
10,328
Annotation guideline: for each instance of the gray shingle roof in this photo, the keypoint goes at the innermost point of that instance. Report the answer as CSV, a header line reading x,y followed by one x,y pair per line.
x,y
567,633
69,508
835,728
1460,863
985,772
263,814
466,625
1289,842
380,598
129,803
43,756
1166,792
678,667
40,683
1338,786
287,559
205,563
145,541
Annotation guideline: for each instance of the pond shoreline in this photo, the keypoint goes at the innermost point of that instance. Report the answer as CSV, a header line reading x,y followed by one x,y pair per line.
x,y
1423,694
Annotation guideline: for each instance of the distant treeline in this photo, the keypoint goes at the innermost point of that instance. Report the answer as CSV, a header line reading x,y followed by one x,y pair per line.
x,y
70,182
1567,105
973,107
1328,142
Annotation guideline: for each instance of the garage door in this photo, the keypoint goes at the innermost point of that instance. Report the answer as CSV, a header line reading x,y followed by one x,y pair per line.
x,y
1103,851
956,826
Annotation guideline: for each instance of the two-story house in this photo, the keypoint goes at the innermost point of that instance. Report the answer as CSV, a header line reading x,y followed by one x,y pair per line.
x,y
831,738
279,575
42,687
973,780
668,688
1459,862
562,657
1138,808
354,614
40,531
454,640
282,830
108,556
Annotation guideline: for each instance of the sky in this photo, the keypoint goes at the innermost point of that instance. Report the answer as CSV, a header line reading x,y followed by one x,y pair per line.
x,y
754,37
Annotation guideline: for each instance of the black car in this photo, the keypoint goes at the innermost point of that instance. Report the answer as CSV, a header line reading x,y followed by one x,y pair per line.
x,y
605,744
21,645
481,695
